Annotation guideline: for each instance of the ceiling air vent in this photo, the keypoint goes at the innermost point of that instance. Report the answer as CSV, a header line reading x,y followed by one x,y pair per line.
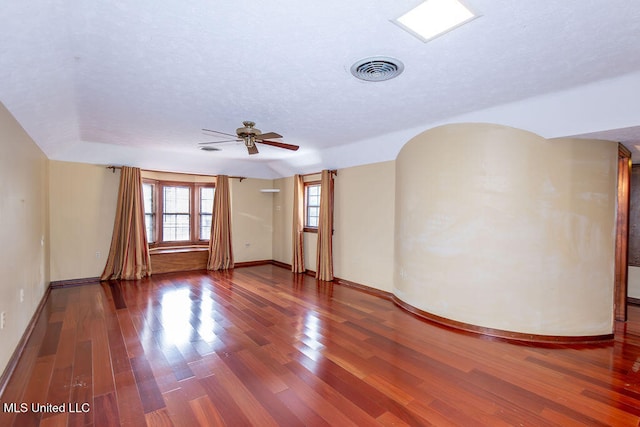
x,y
377,68
209,149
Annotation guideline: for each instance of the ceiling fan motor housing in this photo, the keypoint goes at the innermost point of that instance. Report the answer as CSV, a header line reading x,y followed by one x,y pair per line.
x,y
248,130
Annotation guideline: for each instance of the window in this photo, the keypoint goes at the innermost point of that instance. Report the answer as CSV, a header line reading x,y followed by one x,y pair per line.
x,y
149,212
177,212
206,207
311,205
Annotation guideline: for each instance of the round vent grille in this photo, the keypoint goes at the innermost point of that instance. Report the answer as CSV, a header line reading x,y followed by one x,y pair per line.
x,y
377,68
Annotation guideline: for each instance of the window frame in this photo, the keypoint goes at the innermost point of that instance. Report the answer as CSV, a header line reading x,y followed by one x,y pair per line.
x,y
307,228
194,212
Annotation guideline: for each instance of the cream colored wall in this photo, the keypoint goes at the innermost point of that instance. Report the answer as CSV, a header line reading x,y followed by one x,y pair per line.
x,y
283,223
282,219
83,201
24,231
633,285
501,228
363,225
252,220
363,222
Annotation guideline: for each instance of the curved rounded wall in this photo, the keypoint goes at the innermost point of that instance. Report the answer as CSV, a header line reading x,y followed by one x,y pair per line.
x,y
501,228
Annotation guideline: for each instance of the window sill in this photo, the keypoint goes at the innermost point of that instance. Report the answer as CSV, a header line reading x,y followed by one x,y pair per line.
x,y
177,249
310,230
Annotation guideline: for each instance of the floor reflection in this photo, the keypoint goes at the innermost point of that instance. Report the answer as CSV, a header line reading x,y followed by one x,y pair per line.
x,y
175,312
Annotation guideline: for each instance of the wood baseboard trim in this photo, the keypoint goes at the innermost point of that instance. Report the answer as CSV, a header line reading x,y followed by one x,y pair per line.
x,y
498,334
74,282
252,263
634,301
364,288
281,264
17,353
343,282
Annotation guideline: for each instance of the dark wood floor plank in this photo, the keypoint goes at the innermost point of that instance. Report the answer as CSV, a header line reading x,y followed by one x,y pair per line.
x,y
147,386
50,341
205,413
130,406
333,406
82,384
231,413
105,408
278,411
262,346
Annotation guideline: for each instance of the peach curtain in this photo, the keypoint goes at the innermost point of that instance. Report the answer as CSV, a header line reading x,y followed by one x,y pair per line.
x,y
220,248
297,262
324,258
129,253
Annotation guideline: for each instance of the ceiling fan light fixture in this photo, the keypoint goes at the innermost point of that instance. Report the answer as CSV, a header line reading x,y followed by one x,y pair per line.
x,y
377,68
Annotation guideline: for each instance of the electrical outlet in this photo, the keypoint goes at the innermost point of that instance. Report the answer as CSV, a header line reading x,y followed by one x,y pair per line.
x,y
21,295
3,319
97,254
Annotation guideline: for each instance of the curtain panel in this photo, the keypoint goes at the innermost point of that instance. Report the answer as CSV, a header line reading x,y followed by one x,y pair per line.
x,y
297,234
129,253
324,258
220,248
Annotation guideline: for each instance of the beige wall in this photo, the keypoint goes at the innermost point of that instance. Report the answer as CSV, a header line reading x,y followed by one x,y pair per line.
x,y
252,220
82,210
363,225
23,235
501,228
633,290
282,219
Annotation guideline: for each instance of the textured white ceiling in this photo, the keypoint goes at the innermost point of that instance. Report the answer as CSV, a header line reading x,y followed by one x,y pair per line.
x,y
133,82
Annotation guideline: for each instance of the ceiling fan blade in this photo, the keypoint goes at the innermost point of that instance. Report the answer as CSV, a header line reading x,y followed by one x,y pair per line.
x,y
221,133
253,149
218,142
268,135
280,145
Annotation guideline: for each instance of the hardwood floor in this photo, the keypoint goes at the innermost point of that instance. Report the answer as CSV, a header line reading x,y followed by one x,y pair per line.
x,y
260,346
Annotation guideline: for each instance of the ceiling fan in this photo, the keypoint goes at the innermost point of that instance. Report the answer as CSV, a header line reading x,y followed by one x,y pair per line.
x,y
250,135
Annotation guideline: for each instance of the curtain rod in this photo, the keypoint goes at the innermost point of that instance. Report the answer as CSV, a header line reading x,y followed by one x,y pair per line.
x,y
333,171
113,169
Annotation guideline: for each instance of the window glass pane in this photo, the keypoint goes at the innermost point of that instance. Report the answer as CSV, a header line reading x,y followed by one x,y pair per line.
x,y
147,191
312,203
149,227
175,227
176,199
205,226
149,217
206,200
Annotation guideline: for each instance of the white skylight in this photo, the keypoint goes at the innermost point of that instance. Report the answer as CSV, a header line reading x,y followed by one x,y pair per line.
x,y
434,17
